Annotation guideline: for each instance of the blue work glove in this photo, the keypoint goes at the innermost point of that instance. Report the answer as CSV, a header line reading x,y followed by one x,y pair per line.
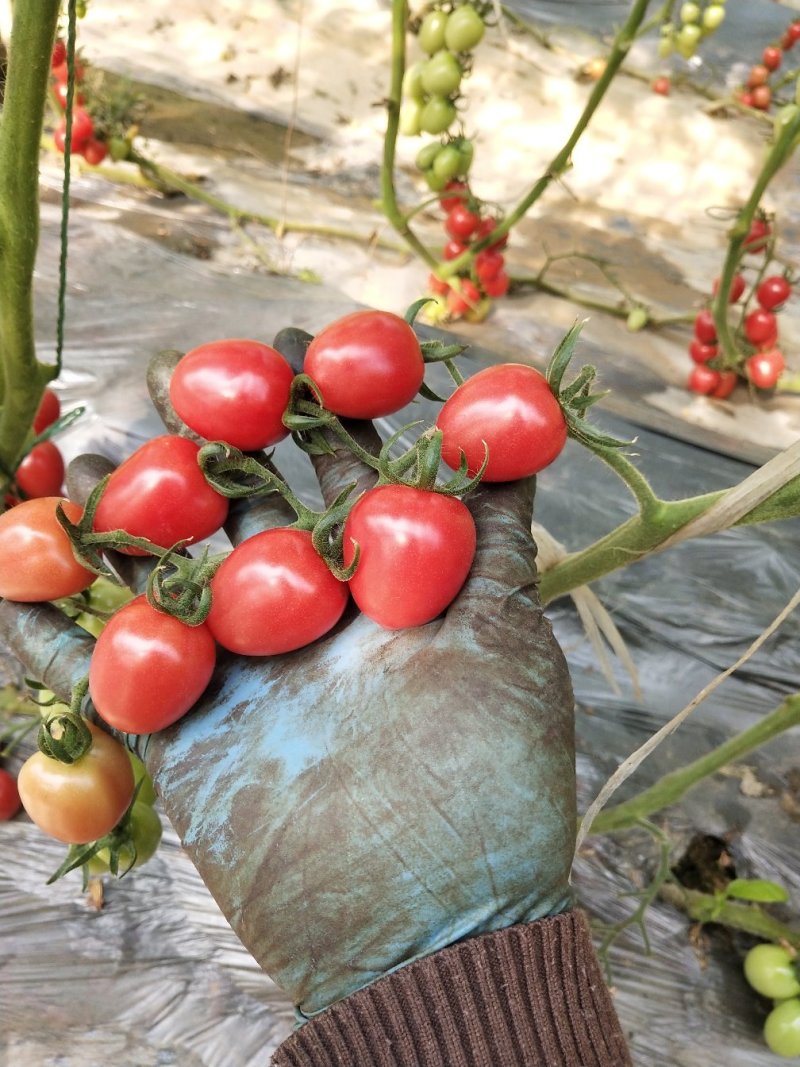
x,y
370,799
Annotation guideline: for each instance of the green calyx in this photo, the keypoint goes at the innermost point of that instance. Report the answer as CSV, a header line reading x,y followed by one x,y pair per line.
x,y
64,736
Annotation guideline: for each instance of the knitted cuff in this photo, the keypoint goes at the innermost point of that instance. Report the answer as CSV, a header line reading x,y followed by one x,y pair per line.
x,y
528,996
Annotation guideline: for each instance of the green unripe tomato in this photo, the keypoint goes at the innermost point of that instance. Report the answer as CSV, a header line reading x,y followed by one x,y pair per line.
x,y
448,164
144,827
412,82
687,39
769,970
782,1029
690,12
665,47
441,75
713,17
467,150
146,793
465,28
426,155
437,115
119,148
410,124
436,182
431,31
637,319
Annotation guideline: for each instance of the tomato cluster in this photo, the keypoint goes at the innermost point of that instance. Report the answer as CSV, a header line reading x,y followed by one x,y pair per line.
x,y
772,971
758,359
695,21
467,293
85,140
40,472
757,92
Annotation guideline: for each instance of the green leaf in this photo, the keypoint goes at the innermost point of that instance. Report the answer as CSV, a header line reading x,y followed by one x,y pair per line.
x,y
757,889
428,393
415,309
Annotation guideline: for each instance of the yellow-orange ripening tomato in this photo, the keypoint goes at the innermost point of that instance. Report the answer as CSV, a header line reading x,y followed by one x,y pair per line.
x,y
36,559
82,801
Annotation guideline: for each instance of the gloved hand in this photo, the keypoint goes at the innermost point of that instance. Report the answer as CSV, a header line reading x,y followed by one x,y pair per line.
x,y
368,800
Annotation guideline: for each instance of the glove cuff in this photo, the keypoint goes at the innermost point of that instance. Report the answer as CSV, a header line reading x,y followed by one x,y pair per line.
x,y
529,996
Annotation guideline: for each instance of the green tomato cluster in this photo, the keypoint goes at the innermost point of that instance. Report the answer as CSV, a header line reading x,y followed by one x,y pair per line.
x,y
431,85
443,162
772,971
695,21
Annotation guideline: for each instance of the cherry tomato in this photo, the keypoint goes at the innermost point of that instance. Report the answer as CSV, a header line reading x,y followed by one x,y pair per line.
x,y
437,115
144,827
486,228
461,223
94,152
757,236
160,493
771,57
82,130
661,85
512,409
431,31
701,353
148,668
705,329
761,97
82,801
761,328
728,380
771,971
441,75
59,55
457,191
449,163
235,391
782,1029
497,286
765,368
758,76
453,249
274,594
459,303
488,264
37,559
745,98
41,472
10,802
738,286
48,411
61,91
61,72
773,291
366,365
464,29
416,549
791,36
703,380
437,285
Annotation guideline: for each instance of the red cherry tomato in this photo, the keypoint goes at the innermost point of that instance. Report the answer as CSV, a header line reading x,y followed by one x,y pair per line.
x,y
771,57
761,97
416,549
160,493
461,223
94,152
274,594
148,668
48,411
765,368
59,55
486,228
758,235
235,391
703,380
61,72
758,76
366,365
761,328
746,98
9,796
705,329
457,191
728,380
791,36
61,92
701,353
41,472
497,286
488,264
82,130
37,559
661,86
82,801
773,291
738,286
459,303
512,409
437,285
453,249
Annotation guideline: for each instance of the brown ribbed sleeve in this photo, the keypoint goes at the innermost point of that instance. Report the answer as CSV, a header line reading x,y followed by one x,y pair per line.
x,y
528,996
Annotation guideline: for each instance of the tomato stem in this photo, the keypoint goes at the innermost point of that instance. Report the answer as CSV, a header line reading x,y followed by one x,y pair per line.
x,y
708,907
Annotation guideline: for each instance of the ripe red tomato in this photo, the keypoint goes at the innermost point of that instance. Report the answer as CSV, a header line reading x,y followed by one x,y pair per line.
x,y
459,303
367,364
82,130
148,668
765,368
457,191
791,36
758,76
512,409
461,223
761,97
94,152
82,801
773,291
661,85
761,328
703,380
728,380
61,91
61,72
9,796
59,55
37,559
488,264
771,57
235,391
160,493
437,285
757,236
738,286
701,353
497,286
274,594
48,411
486,228
704,328
453,249
41,472
416,549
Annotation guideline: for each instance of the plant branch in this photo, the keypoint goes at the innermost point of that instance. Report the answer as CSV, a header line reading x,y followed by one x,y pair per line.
x,y
752,919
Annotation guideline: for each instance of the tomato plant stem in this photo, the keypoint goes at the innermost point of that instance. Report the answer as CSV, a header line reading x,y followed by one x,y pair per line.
x,y
752,919
671,787
22,376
